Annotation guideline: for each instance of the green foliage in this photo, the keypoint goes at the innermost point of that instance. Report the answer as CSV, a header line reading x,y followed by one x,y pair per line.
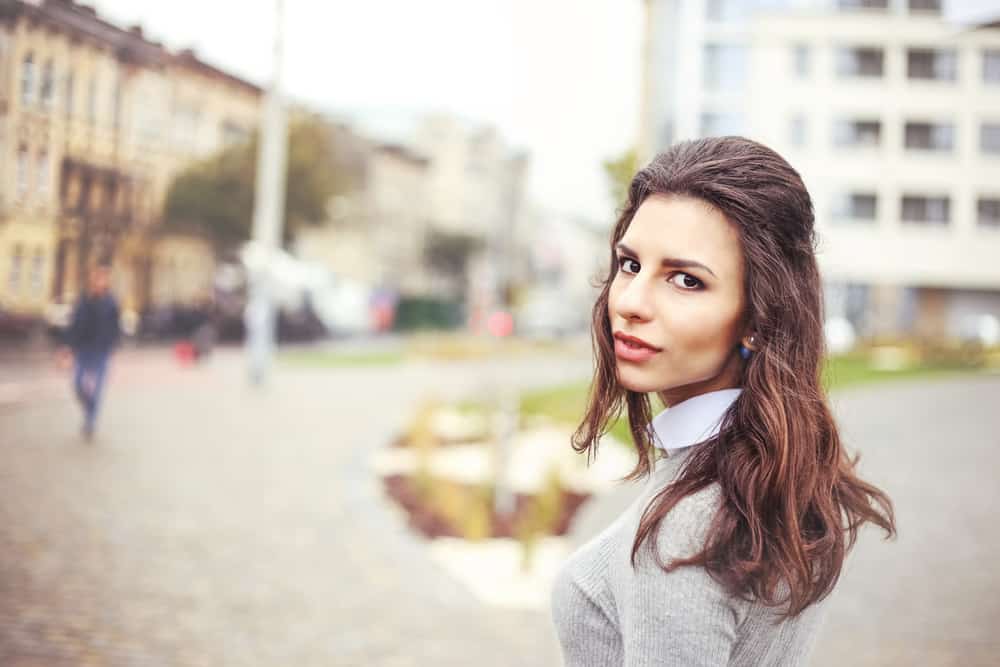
x,y
421,438
540,518
214,198
415,312
468,510
619,172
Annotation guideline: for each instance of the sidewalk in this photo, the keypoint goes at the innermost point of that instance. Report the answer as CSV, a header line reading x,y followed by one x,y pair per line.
x,y
214,524
211,523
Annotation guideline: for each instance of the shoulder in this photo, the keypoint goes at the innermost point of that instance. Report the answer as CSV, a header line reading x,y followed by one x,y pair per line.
x,y
683,531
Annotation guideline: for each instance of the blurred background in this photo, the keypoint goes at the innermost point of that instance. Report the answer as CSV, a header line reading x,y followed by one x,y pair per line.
x,y
355,248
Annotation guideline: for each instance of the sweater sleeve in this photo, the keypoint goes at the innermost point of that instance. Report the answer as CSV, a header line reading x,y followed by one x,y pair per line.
x,y
683,617
71,336
116,323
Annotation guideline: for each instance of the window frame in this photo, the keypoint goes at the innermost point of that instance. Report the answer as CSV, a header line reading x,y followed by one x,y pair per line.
x,y
927,220
991,200
856,72
910,128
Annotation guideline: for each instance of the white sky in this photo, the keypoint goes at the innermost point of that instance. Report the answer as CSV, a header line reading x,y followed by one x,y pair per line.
x,y
558,77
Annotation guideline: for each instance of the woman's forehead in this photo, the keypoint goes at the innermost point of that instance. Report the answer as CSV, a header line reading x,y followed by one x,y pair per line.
x,y
685,227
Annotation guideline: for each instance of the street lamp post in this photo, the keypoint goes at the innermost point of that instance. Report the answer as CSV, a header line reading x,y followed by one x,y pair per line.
x,y
268,214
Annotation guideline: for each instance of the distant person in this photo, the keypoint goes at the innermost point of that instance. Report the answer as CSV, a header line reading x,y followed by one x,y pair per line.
x,y
713,306
206,333
93,333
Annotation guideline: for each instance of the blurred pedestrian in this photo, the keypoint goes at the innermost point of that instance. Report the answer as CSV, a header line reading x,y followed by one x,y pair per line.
x,y
205,334
713,304
93,333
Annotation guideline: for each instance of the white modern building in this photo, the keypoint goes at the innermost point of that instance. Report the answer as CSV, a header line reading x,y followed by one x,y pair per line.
x,y
890,110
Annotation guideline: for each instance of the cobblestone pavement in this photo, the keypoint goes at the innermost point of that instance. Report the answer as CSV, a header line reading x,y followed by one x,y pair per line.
x,y
932,597
211,523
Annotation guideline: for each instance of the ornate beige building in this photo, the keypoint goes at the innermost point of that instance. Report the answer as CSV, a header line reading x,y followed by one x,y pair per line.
x,y
95,120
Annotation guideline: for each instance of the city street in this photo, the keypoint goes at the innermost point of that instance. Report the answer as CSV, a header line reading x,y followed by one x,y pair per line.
x,y
212,523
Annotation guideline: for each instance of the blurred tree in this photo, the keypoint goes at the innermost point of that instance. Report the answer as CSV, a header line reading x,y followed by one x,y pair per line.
x,y
214,197
619,172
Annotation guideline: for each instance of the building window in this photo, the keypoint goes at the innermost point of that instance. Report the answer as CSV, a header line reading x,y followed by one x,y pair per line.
x,y
988,212
857,133
188,120
725,11
725,66
70,90
14,276
719,124
801,60
991,66
929,136
860,61
922,210
862,4
22,172
37,268
933,64
46,90
117,103
233,134
925,6
797,131
27,80
92,100
855,206
42,179
666,134
989,138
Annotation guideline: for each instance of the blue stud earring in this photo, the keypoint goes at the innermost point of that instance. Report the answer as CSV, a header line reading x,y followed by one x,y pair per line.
x,y
745,352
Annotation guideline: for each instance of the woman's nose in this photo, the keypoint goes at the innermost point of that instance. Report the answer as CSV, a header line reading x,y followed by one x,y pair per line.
x,y
633,301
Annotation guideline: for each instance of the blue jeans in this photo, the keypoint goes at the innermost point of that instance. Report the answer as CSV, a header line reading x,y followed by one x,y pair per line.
x,y
89,381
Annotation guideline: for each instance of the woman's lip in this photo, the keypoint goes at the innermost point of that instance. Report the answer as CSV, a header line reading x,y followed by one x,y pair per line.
x,y
633,354
635,341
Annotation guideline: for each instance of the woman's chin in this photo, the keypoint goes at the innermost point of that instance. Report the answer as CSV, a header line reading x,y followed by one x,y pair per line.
x,y
637,382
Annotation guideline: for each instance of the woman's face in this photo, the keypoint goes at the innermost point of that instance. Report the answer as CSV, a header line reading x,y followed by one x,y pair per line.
x,y
679,290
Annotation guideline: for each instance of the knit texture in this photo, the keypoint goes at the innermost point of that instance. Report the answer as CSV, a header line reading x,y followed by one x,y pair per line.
x,y
607,613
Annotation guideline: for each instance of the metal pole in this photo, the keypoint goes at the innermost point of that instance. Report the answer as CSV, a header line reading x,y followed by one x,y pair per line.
x,y
508,405
268,214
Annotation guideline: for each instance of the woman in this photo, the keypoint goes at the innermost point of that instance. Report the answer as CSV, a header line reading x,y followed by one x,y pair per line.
x,y
713,304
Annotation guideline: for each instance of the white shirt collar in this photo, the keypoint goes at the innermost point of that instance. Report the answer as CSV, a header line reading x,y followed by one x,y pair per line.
x,y
693,420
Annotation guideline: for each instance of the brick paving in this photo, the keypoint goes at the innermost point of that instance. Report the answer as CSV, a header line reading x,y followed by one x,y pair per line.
x,y
211,523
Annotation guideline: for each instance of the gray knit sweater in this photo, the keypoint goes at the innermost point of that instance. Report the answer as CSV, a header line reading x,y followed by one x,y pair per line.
x,y
607,613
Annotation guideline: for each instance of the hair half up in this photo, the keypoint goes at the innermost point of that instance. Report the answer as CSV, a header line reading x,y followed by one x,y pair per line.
x,y
792,503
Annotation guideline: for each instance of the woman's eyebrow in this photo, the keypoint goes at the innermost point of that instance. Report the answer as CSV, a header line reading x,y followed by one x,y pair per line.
x,y
675,262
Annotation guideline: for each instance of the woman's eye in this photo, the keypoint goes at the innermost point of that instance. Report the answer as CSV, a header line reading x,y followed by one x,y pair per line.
x,y
685,281
628,265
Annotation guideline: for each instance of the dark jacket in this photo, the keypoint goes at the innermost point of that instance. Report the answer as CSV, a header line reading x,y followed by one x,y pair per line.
x,y
94,328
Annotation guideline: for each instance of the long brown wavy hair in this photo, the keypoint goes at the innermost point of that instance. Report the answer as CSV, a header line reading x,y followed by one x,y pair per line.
x,y
792,504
